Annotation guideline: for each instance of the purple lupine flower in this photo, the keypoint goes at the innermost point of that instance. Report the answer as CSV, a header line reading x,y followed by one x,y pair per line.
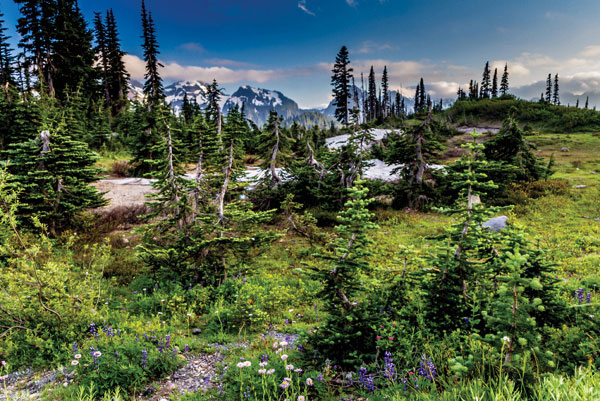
x,y
365,379
144,358
579,295
588,297
93,330
186,348
426,368
389,366
264,358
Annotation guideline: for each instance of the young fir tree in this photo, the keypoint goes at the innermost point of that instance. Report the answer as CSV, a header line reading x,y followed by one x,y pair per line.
x,y
415,150
372,96
457,277
577,103
19,119
548,97
118,77
495,84
340,80
504,81
485,82
54,172
587,100
153,87
555,95
385,88
341,337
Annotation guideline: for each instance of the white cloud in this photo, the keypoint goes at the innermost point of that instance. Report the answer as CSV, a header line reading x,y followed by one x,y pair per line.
x,y
302,6
369,46
193,47
590,51
223,62
224,75
352,3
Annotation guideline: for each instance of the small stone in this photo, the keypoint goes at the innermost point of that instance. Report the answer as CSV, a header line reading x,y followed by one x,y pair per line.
x,y
579,186
496,224
564,149
597,219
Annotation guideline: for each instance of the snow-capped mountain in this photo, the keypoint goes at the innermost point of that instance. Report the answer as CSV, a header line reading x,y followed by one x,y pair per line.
x,y
257,102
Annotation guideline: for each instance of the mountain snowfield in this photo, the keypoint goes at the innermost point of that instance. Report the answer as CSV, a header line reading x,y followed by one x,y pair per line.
x,y
258,102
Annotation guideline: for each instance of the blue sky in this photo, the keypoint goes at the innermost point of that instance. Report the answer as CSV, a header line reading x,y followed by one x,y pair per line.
x,y
289,44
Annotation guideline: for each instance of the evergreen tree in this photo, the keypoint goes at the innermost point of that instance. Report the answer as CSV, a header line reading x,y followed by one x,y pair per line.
x,y
153,87
385,87
118,77
504,82
485,81
102,51
495,84
422,96
548,97
54,172
577,103
587,100
6,57
555,95
340,80
418,99
372,96
399,112
72,53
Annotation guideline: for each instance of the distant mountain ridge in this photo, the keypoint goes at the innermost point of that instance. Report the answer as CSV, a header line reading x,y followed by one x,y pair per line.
x,y
257,102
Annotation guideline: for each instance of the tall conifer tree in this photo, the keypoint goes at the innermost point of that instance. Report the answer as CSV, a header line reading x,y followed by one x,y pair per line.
x,y
495,84
555,95
372,95
153,87
504,82
385,87
548,97
485,82
118,77
342,75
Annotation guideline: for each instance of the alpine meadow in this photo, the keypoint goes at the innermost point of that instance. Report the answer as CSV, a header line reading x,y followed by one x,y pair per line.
x,y
412,212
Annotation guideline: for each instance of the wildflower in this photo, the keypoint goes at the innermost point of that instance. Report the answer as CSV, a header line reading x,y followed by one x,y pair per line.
x,y
77,356
287,379
3,363
309,382
291,310
506,339
240,365
298,370
390,366
579,295
283,343
275,345
144,358
365,379
263,364
97,354
284,357
247,363
284,385
289,367
378,337
391,338
320,377
270,371
427,369
74,362
300,398
262,371
588,297
279,350
264,358
393,324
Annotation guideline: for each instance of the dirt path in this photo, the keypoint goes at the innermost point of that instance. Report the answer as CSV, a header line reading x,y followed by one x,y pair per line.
x,y
123,195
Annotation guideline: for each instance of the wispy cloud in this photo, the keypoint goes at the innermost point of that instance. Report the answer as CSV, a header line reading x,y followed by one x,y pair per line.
x,y
192,47
224,75
223,62
369,46
302,6
352,3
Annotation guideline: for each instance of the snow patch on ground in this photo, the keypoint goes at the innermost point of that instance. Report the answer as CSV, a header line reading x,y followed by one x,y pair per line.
x,y
338,142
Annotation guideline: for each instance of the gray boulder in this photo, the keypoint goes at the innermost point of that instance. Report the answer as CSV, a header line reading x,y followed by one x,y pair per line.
x,y
496,224
564,149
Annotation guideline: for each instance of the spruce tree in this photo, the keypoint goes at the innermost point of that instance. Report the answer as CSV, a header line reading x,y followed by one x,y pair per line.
x,y
555,95
6,57
485,81
53,172
399,112
422,96
73,54
385,87
587,100
495,84
372,96
417,99
118,77
548,97
102,51
340,80
577,103
504,82
153,87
